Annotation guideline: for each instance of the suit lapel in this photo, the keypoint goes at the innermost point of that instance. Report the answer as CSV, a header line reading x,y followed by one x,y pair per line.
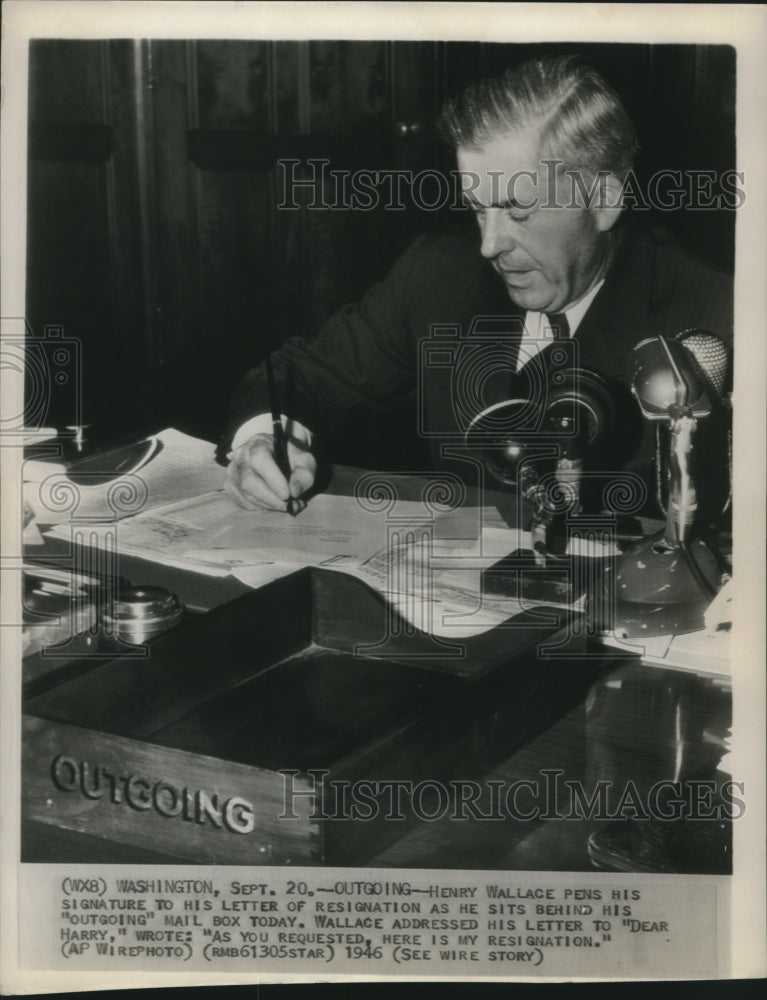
x,y
621,314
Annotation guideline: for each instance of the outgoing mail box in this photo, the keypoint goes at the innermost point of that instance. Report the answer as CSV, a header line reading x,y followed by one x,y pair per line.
x,y
228,741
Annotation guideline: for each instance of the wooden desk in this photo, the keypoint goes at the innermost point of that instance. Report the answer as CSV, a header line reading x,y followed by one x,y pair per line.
x,y
608,735
635,723
612,722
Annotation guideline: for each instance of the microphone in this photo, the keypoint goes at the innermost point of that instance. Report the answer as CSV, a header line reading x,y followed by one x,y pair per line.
x,y
534,443
712,357
670,386
507,438
665,581
666,382
579,412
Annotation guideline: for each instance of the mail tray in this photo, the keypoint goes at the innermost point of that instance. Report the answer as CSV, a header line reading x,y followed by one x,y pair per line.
x,y
227,740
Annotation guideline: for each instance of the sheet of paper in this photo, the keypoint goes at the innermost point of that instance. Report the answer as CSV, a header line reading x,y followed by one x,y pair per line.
x,y
210,531
259,574
427,566
329,526
151,538
183,466
435,584
445,602
36,435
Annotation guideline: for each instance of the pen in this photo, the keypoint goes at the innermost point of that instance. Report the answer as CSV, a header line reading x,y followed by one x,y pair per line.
x,y
280,444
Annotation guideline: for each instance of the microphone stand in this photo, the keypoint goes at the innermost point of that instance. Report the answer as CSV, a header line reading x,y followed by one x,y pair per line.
x,y
567,483
663,583
535,495
683,502
544,464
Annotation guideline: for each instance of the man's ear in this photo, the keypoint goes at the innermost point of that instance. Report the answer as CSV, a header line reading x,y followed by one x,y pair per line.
x,y
608,204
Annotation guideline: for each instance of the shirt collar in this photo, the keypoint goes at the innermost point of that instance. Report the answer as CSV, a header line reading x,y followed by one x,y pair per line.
x,y
575,313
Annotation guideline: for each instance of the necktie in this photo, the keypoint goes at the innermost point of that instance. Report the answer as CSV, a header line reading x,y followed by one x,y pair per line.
x,y
559,325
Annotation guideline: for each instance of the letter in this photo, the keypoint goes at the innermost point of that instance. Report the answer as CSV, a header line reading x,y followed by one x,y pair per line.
x,y
290,794
62,781
417,800
208,808
654,193
394,178
511,189
340,178
161,788
457,202
134,801
365,195
656,807
631,193
632,800
468,182
729,186
189,807
700,804
495,190
701,183
363,799
394,788
582,807
552,201
443,190
239,815
551,793
466,794
338,790
289,184
587,196
115,794
511,799
96,791
727,794
495,799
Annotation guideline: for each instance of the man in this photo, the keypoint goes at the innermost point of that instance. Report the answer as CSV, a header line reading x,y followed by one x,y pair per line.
x,y
543,152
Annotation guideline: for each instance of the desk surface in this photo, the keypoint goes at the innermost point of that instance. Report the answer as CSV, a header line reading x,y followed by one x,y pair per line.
x,y
201,593
634,723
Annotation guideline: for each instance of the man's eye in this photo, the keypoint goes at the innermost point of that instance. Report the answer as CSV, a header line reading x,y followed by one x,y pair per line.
x,y
516,216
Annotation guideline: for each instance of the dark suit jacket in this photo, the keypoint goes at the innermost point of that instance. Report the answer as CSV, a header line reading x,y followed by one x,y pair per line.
x,y
441,325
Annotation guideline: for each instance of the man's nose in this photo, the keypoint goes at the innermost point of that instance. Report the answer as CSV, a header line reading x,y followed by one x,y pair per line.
x,y
496,233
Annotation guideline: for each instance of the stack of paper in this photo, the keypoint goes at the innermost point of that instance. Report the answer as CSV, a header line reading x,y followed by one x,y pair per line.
x,y
211,534
426,564
181,466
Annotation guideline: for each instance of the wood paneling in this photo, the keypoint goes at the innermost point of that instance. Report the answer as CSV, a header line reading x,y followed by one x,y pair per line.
x,y
68,81
236,273
155,233
232,85
83,232
346,85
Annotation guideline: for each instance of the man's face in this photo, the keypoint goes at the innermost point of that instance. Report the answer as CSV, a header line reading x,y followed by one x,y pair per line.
x,y
548,257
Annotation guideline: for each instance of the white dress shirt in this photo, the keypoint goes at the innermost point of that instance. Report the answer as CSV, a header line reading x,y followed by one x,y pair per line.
x,y
538,334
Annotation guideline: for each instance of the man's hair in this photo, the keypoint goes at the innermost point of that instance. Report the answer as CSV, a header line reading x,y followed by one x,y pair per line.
x,y
578,117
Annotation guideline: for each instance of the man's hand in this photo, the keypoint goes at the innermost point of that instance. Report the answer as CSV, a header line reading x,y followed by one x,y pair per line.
x,y
254,481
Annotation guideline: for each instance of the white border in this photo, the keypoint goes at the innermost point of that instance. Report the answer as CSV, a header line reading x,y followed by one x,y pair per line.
x,y
743,26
